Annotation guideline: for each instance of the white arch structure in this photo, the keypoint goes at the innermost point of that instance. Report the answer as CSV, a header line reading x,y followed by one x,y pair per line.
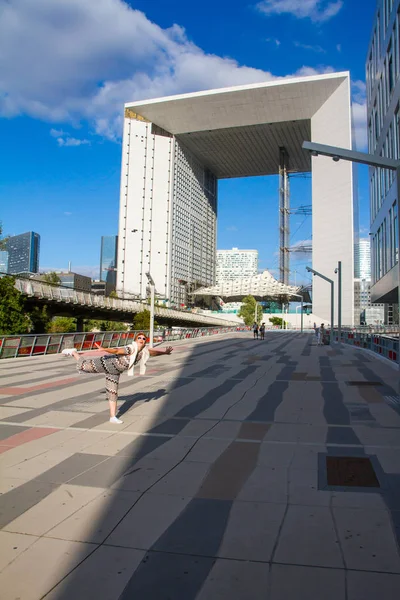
x,y
175,149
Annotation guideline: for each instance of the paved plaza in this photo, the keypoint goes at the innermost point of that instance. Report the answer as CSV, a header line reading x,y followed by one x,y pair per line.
x,y
244,470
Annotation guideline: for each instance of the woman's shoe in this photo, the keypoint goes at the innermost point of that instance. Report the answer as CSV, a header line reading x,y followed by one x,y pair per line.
x,y
69,351
115,420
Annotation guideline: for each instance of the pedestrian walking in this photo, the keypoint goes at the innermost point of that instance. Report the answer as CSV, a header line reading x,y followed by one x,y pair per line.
x,y
321,337
120,360
255,330
262,331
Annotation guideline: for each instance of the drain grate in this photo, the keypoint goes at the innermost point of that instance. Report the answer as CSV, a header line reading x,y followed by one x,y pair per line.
x,y
350,471
363,383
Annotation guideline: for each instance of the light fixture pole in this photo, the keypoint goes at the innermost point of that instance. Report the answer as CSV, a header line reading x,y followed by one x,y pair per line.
x,y
332,297
380,162
301,320
152,295
338,270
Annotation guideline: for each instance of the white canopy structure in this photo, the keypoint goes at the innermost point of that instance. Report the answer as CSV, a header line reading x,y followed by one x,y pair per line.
x,y
261,286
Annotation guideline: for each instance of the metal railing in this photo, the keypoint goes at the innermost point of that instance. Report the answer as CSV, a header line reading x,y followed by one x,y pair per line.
x,y
38,345
64,295
384,345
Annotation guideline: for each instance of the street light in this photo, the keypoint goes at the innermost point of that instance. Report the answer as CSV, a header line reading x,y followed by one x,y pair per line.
x,y
363,158
301,300
152,294
338,271
332,296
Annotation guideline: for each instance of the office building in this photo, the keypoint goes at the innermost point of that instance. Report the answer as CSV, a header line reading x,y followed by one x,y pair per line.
x,y
362,258
383,96
236,264
108,260
3,261
175,150
23,253
75,281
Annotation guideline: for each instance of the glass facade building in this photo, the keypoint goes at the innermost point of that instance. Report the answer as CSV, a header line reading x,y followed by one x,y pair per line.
x,y
23,253
108,259
3,261
383,105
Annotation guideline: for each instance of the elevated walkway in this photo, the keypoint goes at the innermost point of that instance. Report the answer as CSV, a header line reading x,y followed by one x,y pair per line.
x,y
94,306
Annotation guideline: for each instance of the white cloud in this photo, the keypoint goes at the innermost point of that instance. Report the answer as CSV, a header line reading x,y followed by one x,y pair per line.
x,y
318,11
56,133
273,41
232,228
71,61
71,141
68,214
359,114
317,48
339,47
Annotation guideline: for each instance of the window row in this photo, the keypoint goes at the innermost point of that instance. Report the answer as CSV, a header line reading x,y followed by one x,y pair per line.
x,y
385,245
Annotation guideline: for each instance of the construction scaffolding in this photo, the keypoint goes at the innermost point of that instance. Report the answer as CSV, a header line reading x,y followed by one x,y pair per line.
x,y
284,213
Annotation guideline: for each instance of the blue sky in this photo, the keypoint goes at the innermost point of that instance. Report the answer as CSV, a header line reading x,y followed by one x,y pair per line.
x,y
68,67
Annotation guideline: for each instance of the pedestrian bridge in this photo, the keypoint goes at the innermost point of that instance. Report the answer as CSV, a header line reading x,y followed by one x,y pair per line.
x,y
62,300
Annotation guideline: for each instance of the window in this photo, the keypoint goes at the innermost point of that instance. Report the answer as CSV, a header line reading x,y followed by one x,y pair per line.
x,y
395,233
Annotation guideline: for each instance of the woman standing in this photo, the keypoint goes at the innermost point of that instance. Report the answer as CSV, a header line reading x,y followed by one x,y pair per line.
x,y
121,359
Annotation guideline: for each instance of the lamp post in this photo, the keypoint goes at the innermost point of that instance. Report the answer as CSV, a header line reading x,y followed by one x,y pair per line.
x,y
363,158
332,297
338,270
301,301
152,295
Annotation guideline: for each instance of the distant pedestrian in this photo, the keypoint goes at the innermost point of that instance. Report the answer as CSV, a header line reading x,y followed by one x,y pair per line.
x,y
255,330
316,331
321,337
262,331
124,359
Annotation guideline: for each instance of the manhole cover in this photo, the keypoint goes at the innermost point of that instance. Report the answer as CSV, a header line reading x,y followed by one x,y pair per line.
x,y
350,471
363,383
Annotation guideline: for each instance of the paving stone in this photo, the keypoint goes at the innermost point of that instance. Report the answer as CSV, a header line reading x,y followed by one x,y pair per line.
x,y
17,501
143,475
7,431
370,586
103,575
12,545
184,480
208,450
105,473
303,488
367,539
71,467
51,510
93,522
236,580
308,537
266,484
276,455
306,583
147,521
251,531
59,558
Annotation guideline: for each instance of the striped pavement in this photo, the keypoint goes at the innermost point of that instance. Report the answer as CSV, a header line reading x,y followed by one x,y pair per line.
x,y
244,469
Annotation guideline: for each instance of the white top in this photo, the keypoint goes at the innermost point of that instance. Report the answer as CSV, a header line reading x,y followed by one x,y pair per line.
x,y
145,355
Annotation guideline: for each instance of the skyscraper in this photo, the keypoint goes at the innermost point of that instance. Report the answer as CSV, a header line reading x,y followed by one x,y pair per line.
x,y
3,261
108,259
23,253
383,114
236,264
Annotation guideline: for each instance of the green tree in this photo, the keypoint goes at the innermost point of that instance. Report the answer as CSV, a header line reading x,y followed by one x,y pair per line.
x,y
51,277
248,310
113,294
277,321
142,321
62,325
40,319
13,317
105,325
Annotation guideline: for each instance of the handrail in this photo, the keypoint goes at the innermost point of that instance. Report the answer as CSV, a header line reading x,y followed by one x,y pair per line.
x,y
382,344
14,346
